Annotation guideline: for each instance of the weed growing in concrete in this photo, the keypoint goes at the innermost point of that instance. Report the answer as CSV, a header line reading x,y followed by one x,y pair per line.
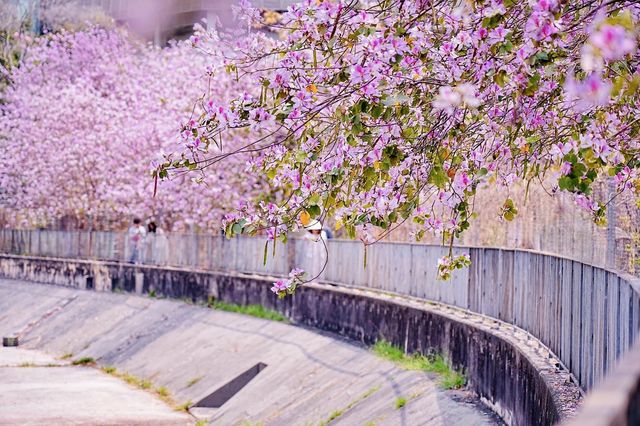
x,y
135,381
68,355
131,379
152,294
32,364
450,379
85,360
161,391
201,422
334,415
164,394
257,311
184,406
145,384
194,381
110,370
400,402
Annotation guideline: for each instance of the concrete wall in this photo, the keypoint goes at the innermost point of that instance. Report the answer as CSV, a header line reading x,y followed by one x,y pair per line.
x,y
512,373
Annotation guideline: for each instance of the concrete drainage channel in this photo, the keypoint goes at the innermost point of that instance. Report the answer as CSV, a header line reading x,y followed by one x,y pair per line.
x,y
514,374
225,368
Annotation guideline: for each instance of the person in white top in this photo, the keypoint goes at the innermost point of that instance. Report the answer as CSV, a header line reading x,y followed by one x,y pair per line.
x,y
136,234
158,244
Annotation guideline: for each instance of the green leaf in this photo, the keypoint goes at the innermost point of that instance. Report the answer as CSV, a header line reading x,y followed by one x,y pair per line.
x,y
314,211
236,229
501,78
438,177
532,85
314,200
266,250
377,111
565,183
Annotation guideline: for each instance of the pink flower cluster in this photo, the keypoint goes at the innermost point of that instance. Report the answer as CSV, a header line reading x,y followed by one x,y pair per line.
x,y
375,114
283,287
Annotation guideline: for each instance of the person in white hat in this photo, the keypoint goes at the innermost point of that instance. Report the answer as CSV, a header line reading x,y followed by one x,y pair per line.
x,y
316,251
315,231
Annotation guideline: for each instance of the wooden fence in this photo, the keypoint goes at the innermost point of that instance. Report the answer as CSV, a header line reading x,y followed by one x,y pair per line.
x,y
587,316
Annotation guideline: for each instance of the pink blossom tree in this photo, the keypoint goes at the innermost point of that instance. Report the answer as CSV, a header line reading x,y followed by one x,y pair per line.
x,y
381,112
84,116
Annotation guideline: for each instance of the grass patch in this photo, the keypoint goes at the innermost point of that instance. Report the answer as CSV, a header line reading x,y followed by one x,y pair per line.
x,y
334,415
67,356
201,422
27,364
152,294
400,402
453,380
85,360
450,379
257,311
194,381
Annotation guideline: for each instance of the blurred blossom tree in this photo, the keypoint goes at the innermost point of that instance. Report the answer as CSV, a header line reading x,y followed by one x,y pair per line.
x,y
13,24
21,20
376,112
84,115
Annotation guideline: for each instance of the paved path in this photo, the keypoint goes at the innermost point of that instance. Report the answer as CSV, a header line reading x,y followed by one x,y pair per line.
x,y
37,389
192,350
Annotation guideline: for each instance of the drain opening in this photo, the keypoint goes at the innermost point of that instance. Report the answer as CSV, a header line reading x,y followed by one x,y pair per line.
x,y
227,391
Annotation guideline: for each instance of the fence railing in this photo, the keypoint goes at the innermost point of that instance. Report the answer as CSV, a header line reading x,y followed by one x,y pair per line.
x,y
587,316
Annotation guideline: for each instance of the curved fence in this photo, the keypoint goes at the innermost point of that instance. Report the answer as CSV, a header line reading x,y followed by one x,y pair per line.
x,y
587,316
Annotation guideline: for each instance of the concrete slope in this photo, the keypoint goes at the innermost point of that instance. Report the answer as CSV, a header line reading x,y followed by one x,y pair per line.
x,y
309,379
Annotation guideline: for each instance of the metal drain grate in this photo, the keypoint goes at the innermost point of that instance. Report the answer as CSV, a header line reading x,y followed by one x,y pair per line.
x,y
227,391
